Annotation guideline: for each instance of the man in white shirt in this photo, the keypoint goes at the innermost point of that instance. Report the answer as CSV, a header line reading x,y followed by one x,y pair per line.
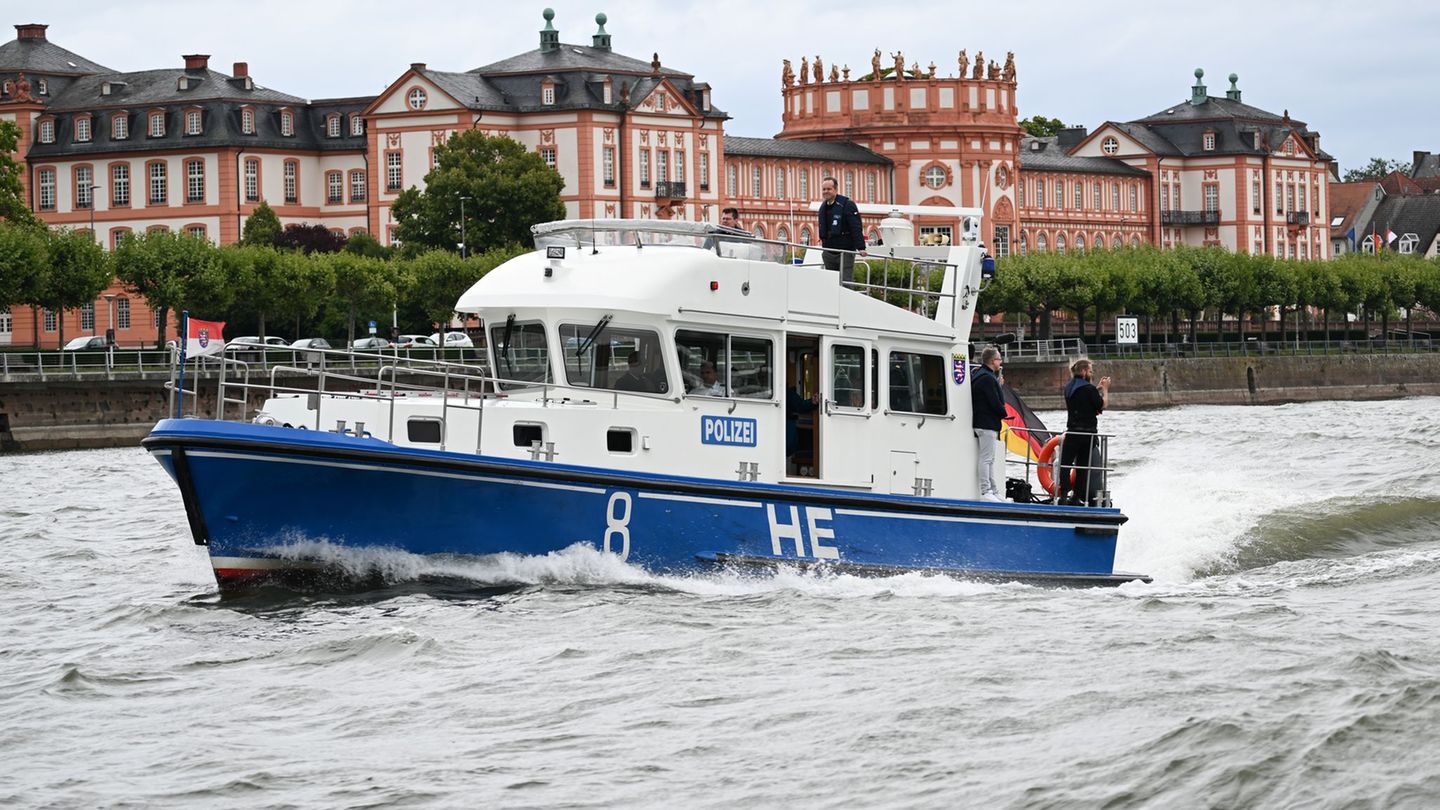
x,y
710,384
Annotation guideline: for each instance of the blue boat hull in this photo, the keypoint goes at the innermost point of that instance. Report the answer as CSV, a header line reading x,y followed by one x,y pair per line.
x,y
250,490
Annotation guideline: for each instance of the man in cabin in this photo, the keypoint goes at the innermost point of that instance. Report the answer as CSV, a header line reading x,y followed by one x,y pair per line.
x,y
634,378
987,411
710,384
840,230
1084,402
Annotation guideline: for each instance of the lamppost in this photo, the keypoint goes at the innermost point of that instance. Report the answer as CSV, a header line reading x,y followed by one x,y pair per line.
x,y
109,329
92,211
462,225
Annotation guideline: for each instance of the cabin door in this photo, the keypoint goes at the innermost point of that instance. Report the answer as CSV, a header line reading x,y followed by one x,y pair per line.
x,y
847,403
802,406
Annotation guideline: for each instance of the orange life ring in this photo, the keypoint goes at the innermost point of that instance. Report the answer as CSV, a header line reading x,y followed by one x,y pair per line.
x,y
1047,454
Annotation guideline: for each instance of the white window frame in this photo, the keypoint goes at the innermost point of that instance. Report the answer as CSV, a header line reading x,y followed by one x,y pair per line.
x,y
122,313
84,186
287,123
47,132
357,185
46,181
120,127
252,180
156,125
935,177
158,177
290,173
247,122
83,129
120,185
193,120
417,98
195,181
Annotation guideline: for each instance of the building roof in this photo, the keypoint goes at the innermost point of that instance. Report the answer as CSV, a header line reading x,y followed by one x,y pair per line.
x,y
1347,200
38,55
738,146
160,87
570,58
1425,165
1213,108
1047,155
1404,214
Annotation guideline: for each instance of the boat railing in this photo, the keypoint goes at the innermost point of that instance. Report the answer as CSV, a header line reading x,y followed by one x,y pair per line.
x,y
1099,468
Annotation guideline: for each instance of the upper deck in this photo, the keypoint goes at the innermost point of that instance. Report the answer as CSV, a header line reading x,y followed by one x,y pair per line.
x,y
702,272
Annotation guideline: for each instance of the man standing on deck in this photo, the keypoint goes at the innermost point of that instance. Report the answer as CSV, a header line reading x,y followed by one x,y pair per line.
x,y
730,218
987,411
1084,402
840,230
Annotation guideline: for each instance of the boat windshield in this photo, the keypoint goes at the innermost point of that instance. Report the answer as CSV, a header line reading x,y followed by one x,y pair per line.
x,y
598,233
522,357
598,355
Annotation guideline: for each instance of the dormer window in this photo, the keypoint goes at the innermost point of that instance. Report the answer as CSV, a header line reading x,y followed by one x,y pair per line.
x,y
547,94
1290,148
416,98
47,131
120,126
157,125
606,92
6,88
1207,142
82,129
192,122
357,125
247,121
332,126
287,123
1257,139
42,86
1110,145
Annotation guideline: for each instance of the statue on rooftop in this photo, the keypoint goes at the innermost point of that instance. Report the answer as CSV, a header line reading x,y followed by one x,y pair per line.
x,y
932,69
1009,73
787,75
804,70
22,89
899,64
875,66
994,70
845,72
964,63
979,65
834,74
819,70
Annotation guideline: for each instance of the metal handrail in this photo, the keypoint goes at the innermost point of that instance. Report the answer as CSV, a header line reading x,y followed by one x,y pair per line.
x,y
1099,472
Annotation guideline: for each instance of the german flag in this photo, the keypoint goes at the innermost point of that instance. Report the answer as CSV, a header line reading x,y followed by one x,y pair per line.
x,y
1022,431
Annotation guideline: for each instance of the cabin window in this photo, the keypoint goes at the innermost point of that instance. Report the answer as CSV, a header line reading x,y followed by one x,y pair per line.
x,y
917,383
598,355
522,354
423,430
620,440
847,376
526,435
742,365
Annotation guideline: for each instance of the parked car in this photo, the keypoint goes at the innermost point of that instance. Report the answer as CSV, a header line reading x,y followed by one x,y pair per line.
x,y
454,340
253,341
415,342
309,343
370,343
86,343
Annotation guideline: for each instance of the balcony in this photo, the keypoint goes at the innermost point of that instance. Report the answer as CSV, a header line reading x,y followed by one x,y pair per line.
x,y
1189,217
669,190
1298,218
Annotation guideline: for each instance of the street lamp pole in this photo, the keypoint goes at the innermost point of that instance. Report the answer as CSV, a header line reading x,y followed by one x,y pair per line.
x,y
92,211
110,329
462,225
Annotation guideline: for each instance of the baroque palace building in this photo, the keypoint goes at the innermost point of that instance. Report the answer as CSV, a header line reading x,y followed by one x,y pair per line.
x,y
191,149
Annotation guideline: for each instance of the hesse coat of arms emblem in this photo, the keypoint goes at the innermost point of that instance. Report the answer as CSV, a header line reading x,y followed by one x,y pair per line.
x,y
958,365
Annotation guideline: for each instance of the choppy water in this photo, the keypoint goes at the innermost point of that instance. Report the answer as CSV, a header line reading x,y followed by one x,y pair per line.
x,y
1286,656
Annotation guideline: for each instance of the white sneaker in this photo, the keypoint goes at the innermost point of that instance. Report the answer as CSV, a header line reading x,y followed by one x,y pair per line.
x,y
990,496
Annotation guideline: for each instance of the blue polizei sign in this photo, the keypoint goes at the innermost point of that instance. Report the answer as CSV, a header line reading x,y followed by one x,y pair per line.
x,y
728,430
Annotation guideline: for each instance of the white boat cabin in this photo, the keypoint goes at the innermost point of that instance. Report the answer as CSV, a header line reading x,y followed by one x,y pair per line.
x,y
683,349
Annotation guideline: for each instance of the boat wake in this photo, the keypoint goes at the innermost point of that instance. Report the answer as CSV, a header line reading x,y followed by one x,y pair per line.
x,y
583,566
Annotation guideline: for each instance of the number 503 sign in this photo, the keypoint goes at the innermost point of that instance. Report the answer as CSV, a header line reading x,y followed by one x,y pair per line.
x,y
1127,330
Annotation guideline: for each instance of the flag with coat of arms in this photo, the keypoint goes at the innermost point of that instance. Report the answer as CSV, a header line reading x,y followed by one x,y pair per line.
x,y
1389,235
204,337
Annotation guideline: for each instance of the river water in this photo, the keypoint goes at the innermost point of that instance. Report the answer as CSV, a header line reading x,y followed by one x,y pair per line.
x,y
1285,656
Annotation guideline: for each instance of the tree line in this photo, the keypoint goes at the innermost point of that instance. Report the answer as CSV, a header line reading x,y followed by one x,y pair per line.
x,y
1187,286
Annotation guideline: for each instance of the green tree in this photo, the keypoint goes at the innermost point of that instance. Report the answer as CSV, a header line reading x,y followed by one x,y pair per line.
x,y
363,244
79,270
24,262
505,188
1041,127
1376,169
159,266
307,282
12,194
437,279
363,285
262,227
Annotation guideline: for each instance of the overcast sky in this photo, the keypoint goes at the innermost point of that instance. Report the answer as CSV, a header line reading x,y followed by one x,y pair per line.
x,y
1364,75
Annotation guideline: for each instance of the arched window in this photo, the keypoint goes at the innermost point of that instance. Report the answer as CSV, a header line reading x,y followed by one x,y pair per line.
x,y
1079,243
782,233
1060,243
759,232
1115,243
1042,244
1024,242
804,236
1134,241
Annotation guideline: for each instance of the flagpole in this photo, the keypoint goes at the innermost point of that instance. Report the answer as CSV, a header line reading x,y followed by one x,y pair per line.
x,y
184,343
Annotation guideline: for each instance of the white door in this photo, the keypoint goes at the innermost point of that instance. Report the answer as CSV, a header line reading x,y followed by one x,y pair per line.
x,y
847,411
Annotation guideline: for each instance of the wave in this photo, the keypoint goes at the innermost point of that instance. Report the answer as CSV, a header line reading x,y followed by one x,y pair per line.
x,y
1333,529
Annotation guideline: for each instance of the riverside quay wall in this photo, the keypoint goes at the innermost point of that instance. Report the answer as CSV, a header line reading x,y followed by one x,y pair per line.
x,y
58,414
1260,380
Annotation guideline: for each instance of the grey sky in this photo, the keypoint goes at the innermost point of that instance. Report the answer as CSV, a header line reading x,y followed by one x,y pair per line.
x,y
1364,82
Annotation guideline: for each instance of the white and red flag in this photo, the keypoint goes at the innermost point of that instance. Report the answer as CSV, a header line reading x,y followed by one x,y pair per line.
x,y
1389,235
204,337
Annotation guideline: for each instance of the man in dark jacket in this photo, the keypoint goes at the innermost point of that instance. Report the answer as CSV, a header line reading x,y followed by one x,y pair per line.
x,y
840,230
987,408
1084,402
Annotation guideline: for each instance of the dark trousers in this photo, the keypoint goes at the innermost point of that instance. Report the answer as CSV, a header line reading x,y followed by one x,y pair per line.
x,y
843,262
1076,453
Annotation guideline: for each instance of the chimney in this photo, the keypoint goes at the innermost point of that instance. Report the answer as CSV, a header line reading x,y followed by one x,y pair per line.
x,y
417,66
1234,92
241,70
30,31
601,40
197,61
549,37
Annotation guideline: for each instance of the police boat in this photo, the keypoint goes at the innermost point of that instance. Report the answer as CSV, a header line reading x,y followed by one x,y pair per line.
x,y
672,393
